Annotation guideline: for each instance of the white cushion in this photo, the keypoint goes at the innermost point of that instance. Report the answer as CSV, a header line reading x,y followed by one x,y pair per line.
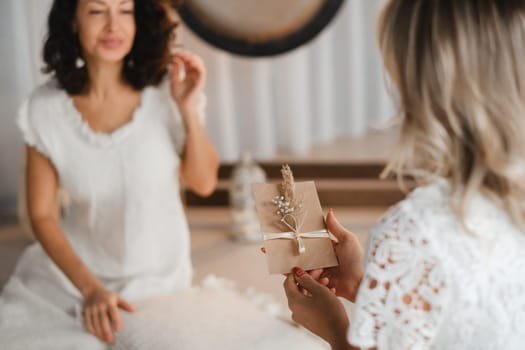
x,y
209,318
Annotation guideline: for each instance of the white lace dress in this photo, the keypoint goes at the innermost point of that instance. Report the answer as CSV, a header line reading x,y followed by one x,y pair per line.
x,y
428,284
125,219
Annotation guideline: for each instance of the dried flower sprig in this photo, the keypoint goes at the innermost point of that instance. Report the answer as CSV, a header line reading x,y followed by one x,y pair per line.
x,y
287,187
288,207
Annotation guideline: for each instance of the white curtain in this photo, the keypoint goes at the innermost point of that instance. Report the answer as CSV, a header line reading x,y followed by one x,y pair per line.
x,y
30,27
329,88
22,28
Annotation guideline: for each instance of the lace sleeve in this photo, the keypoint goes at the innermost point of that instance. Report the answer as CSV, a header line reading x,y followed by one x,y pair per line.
x,y
403,291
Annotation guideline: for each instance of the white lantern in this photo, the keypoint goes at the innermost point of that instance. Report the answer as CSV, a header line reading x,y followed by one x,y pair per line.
x,y
245,225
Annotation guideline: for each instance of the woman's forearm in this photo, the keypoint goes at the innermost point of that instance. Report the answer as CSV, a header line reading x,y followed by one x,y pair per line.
x,y
48,232
200,161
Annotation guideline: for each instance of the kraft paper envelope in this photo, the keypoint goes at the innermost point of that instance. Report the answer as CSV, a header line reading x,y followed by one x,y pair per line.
x,y
283,253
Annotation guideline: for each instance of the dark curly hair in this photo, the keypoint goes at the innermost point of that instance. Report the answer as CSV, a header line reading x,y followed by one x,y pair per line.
x,y
146,64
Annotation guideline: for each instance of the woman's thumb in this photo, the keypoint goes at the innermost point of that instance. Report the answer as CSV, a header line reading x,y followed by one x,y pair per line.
x,y
333,225
124,305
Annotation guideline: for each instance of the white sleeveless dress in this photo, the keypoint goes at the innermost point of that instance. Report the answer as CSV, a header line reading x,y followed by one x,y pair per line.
x,y
125,219
429,284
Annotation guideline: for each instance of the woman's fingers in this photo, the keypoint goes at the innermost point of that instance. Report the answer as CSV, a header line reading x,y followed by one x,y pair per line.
x,y
101,314
95,320
316,273
124,305
115,318
102,321
107,332
325,281
187,60
188,76
88,321
188,57
193,65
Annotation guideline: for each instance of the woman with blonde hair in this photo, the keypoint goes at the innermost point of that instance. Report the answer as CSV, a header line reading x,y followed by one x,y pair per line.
x,y
443,268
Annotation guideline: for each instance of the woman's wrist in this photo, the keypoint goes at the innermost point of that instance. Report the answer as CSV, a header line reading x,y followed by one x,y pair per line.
x,y
192,108
90,288
190,113
192,119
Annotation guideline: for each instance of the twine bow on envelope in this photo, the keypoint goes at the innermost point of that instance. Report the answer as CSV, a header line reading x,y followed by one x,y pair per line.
x,y
298,237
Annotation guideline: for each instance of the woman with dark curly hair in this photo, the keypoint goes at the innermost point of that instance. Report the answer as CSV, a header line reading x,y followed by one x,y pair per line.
x,y
114,128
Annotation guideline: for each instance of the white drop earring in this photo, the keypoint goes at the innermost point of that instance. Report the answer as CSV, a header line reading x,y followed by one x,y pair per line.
x,y
79,63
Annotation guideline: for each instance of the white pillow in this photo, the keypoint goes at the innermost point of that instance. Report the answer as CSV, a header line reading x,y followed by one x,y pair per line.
x,y
204,319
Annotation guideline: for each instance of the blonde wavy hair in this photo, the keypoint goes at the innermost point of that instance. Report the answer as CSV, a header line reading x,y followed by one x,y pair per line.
x,y
460,76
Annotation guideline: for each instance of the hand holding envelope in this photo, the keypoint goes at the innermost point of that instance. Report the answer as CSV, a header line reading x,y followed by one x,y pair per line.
x,y
293,226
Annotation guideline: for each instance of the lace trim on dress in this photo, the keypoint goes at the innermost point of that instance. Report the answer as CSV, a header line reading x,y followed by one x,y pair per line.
x,y
103,139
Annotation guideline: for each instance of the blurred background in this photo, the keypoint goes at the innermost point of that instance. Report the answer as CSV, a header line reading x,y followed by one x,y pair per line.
x,y
322,107
330,89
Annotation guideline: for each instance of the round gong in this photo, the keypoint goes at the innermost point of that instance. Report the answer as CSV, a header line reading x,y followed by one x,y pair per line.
x,y
258,27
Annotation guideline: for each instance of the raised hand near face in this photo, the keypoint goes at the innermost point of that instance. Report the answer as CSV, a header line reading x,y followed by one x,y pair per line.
x,y
188,78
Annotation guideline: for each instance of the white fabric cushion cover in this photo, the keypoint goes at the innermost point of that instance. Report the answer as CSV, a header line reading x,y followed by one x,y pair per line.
x,y
209,318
